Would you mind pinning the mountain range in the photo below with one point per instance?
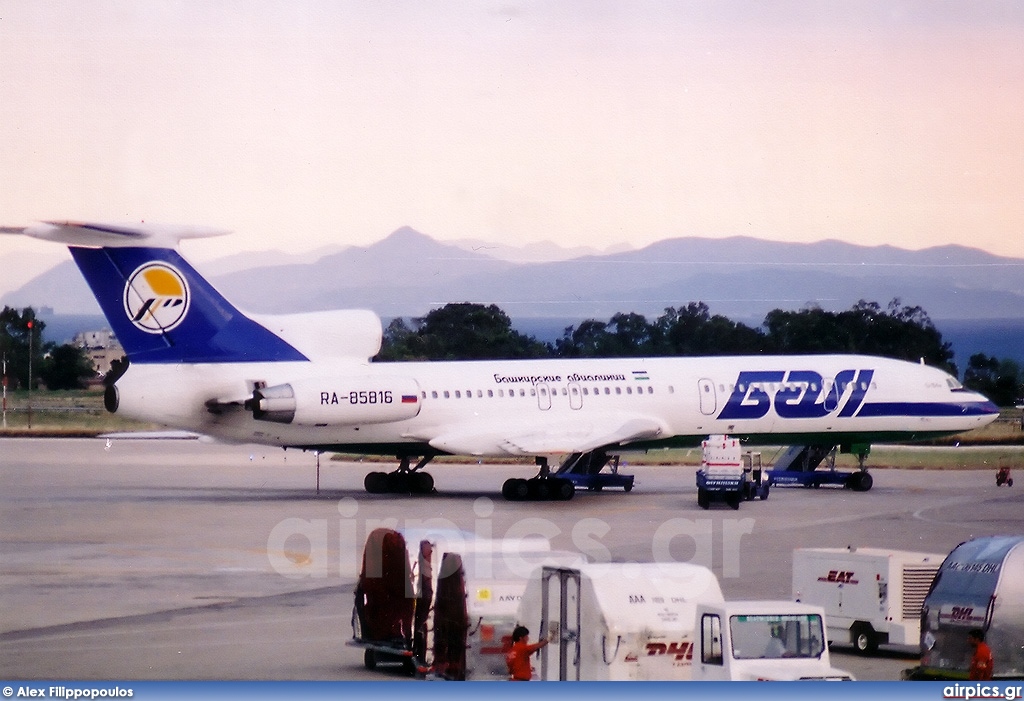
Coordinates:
(408, 273)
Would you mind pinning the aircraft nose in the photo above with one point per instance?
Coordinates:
(987, 407)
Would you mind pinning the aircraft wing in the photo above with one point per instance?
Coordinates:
(549, 437)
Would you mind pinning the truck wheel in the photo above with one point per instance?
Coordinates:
(863, 637)
(564, 489)
(703, 501)
(734, 501)
(369, 659)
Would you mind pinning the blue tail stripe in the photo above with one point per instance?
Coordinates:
(160, 316)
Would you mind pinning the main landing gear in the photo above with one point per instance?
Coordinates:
(404, 480)
(543, 487)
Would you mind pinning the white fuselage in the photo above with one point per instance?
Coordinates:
(473, 407)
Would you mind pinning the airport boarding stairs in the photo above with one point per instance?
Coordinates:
(802, 458)
(798, 466)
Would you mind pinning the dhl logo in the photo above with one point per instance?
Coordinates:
(156, 297)
(962, 613)
(679, 650)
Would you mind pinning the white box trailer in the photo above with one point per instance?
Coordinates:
(612, 621)
(870, 596)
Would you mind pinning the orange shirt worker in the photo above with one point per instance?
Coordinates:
(518, 658)
(981, 663)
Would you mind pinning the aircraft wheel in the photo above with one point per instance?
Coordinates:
(540, 489)
(422, 482)
(515, 490)
(860, 481)
(564, 489)
(398, 482)
(375, 483)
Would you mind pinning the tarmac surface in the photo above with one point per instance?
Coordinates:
(181, 559)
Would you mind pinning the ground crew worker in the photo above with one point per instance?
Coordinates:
(518, 658)
(981, 663)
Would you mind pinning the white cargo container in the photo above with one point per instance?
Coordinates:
(611, 621)
(979, 586)
(870, 596)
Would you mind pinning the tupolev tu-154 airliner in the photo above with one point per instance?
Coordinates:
(307, 380)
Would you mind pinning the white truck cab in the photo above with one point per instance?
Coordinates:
(762, 641)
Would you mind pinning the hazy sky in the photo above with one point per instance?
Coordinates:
(299, 124)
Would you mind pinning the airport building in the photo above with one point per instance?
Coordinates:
(102, 347)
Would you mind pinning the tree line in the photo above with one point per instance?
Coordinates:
(63, 366)
(468, 331)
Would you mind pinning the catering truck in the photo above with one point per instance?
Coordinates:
(728, 475)
(980, 586)
(612, 621)
(870, 596)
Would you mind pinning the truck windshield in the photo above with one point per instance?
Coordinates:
(776, 636)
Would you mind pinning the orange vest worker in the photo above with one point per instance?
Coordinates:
(518, 658)
(981, 663)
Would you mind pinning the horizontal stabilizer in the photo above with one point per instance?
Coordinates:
(95, 235)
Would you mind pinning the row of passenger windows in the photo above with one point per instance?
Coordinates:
(574, 390)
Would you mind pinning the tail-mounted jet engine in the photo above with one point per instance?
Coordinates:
(343, 401)
(118, 368)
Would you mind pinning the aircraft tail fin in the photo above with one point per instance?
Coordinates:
(161, 309)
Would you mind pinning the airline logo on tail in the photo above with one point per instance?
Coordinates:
(156, 297)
